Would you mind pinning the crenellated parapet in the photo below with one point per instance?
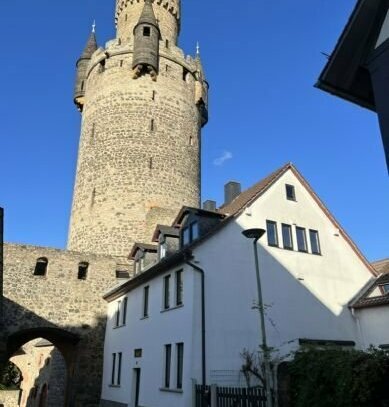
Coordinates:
(172, 6)
(167, 13)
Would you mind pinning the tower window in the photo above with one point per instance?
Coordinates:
(121, 63)
(126, 17)
(41, 267)
(154, 94)
(82, 85)
(191, 143)
(102, 66)
(152, 125)
(83, 270)
(185, 74)
(146, 31)
(167, 43)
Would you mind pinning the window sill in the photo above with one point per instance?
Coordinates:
(143, 318)
(179, 391)
(119, 326)
(295, 251)
(172, 308)
(115, 386)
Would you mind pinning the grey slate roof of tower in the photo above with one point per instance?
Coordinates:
(90, 48)
(148, 15)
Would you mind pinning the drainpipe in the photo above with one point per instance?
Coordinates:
(188, 258)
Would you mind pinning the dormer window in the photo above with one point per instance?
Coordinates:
(162, 249)
(385, 288)
(190, 233)
(290, 192)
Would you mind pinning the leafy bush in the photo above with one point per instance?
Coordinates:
(10, 377)
(339, 378)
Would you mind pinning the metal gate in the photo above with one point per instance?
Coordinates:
(213, 396)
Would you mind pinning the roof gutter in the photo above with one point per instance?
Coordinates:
(187, 260)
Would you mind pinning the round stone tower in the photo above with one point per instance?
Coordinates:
(143, 106)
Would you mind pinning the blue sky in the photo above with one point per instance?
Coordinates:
(262, 59)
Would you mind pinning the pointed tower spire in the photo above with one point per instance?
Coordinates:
(91, 45)
(148, 15)
(82, 65)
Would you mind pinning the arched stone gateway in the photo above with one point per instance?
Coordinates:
(66, 343)
(58, 306)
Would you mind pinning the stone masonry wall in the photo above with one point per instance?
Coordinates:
(9, 398)
(139, 151)
(60, 300)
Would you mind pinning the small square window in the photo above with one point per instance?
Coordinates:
(146, 31)
(290, 192)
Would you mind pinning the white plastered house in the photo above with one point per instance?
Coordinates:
(156, 344)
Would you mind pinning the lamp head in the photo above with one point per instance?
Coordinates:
(254, 233)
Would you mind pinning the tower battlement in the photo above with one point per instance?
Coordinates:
(168, 14)
(172, 6)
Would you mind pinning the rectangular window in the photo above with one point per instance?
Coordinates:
(113, 368)
(194, 231)
(146, 291)
(290, 192)
(287, 236)
(315, 243)
(118, 306)
(168, 360)
(185, 236)
(301, 239)
(124, 316)
(166, 292)
(119, 373)
(146, 31)
(180, 364)
(179, 288)
(272, 235)
(162, 249)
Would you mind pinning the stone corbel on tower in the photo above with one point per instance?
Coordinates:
(146, 44)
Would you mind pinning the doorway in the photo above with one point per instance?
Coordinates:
(136, 386)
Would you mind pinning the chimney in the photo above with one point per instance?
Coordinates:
(209, 206)
(231, 190)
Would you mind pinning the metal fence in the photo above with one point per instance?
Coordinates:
(213, 396)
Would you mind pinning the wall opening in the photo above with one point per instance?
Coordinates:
(146, 31)
(83, 270)
(41, 267)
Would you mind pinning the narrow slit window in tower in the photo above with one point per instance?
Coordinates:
(185, 73)
(151, 163)
(191, 140)
(146, 31)
(126, 17)
(121, 63)
(41, 267)
(83, 270)
(167, 68)
(102, 66)
(152, 125)
(167, 43)
(82, 85)
(154, 95)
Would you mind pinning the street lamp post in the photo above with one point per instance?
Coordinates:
(256, 234)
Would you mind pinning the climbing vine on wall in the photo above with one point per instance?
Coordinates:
(340, 378)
